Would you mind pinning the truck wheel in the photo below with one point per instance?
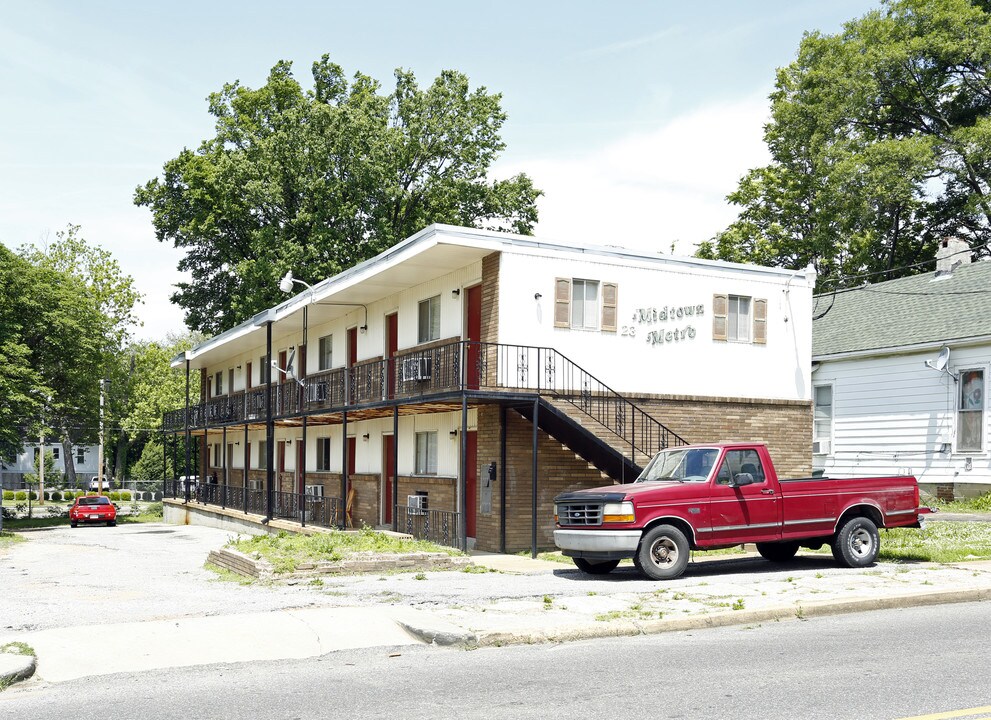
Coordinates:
(663, 553)
(857, 543)
(595, 568)
(777, 551)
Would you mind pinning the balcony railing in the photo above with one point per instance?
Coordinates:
(452, 367)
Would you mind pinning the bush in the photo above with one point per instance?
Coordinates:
(8, 494)
(125, 496)
(68, 495)
(56, 496)
(114, 496)
(34, 495)
(20, 495)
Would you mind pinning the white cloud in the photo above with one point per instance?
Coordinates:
(651, 189)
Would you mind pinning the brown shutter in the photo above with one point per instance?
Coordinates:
(562, 302)
(720, 309)
(760, 322)
(610, 297)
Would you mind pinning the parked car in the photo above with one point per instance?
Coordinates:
(92, 509)
(94, 484)
(706, 497)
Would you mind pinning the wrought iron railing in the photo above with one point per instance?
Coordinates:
(438, 526)
(451, 367)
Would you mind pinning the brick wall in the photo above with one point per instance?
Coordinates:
(441, 491)
(785, 425)
(490, 298)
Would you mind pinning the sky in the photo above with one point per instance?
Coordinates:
(635, 118)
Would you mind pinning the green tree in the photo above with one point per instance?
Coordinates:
(318, 181)
(880, 138)
(21, 387)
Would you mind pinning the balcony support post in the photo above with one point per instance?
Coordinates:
(188, 439)
(533, 469)
(344, 469)
(269, 425)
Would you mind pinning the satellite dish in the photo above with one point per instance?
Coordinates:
(943, 359)
(291, 362)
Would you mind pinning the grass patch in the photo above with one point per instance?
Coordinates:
(17, 648)
(225, 575)
(8, 538)
(36, 522)
(942, 542)
(287, 550)
(152, 512)
(978, 504)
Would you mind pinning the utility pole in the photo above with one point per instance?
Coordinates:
(41, 472)
(103, 384)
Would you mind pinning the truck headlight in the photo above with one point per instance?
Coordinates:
(621, 512)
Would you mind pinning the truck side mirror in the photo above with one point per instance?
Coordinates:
(741, 479)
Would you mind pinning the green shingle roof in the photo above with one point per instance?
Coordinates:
(908, 311)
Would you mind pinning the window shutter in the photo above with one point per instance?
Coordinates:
(610, 296)
(720, 308)
(562, 302)
(760, 321)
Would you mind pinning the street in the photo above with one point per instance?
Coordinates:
(886, 664)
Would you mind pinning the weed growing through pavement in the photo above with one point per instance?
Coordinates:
(739, 604)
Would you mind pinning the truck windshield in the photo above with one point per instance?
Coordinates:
(683, 465)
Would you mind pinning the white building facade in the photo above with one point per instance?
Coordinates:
(419, 372)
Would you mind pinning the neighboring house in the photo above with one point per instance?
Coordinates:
(409, 383)
(882, 403)
(84, 460)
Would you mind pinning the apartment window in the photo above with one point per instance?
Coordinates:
(585, 304)
(323, 454)
(217, 457)
(326, 352)
(262, 454)
(429, 319)
(426, 453)
(738, 318)
(218, 383)
(263, 370)
(80, 455)
(970, 411)
(55, 452)
(822, 424)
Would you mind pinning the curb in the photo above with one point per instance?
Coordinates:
(14, 668)
(799, 611)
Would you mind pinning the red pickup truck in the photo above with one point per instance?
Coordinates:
(704, 497)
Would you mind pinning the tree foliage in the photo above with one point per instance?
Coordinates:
(317, 181)
(880, 138)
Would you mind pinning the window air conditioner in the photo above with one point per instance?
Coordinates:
(317, 392)
(254, 484)
(415, 368)
(820, 447)
(416, 504)
(314, 490)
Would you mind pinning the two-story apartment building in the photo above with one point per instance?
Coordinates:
(454, 384)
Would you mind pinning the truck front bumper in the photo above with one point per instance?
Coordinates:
(598, 544)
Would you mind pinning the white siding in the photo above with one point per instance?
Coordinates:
(893, 414)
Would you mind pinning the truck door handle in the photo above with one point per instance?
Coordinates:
(767, 491)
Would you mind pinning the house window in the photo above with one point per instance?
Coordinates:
(426, 453)
(323, 454)
(970, 411)
(80, 455)
(217, 458)
(738, 318)
(429, 319)
(55, 452)
(218, 383)
(822, 424)
(262, 454)
(326, 352)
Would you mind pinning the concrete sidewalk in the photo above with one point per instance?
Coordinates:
(720, 590)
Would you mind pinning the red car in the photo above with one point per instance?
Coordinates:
(92, 509)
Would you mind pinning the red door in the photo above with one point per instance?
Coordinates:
(388, 451)
(352, 346)
(473, 332)
(471, 481)
(391, 346)
(351, 449)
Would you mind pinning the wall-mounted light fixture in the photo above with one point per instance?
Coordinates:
(537, 296)
(365, 437)
(237, 442)
(363, 329)
(453, 433)
(455, 292)
(288, 441)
